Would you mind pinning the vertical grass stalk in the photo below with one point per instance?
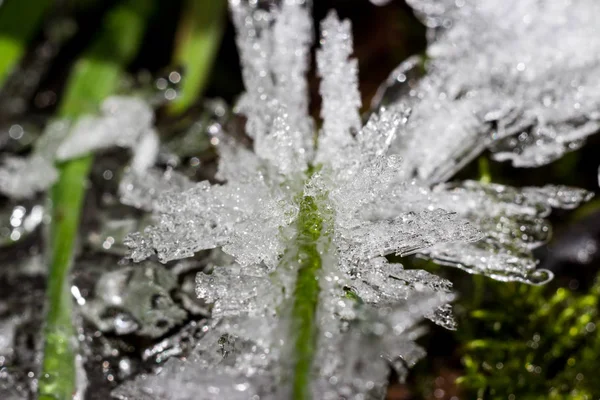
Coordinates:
(95, 76)
(306, 294)
(198, 38)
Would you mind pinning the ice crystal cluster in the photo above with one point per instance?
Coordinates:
(311, 308)
(124, 121)
(520, 77)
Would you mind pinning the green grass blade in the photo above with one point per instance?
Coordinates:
(95, 76)
(198, 38)
(306, 294)
(19, 21)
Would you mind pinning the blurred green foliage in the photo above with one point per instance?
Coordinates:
(528, 342)
(19, 21)
(95, 76)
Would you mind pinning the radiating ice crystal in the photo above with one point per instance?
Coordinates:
(331, 226)
(495, 79)
(362, 334)
(244, 218)
(512, 222)
(339, 88)
(273, 50)
(123, 121)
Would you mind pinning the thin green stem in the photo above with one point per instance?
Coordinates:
(485, 176)
(306, 294)
(95, 76)
(197, 42)
(19, 21)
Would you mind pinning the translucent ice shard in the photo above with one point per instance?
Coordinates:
(135, 300)
(513, 224)
(23, 177)
(495, 80)
(143, 189)
(125, 122)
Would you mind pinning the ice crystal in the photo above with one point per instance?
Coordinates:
(23, 177)
(310, 307)
(124, 121)
(495, 80)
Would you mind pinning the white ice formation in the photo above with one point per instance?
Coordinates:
(123, 121)
(311, 308)
(520, 77)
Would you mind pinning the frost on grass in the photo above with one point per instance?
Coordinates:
(311, 307)
(365, 207)
(123, 121)
(521, 77)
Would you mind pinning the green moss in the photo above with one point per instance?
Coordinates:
(532, 343)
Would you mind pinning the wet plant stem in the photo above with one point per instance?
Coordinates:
(94, 77)
(198, 38)
(19, 21)
(306, 294)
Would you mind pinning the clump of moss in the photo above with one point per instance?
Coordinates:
(525, 342)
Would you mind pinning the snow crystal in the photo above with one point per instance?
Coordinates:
(243, 217)
(258, 296)
(495, 79)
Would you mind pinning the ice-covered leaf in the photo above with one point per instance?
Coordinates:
(519, 77)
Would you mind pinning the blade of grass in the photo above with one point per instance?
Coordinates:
(19, 21)
(95, 76)
(198, 38)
